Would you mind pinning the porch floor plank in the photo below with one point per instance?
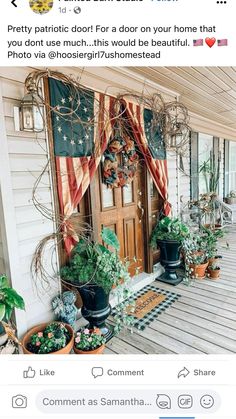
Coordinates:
(202, 320)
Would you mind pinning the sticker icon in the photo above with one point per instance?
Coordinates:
(163, 401)
(41, 6)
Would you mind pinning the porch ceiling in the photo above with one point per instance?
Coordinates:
(209, 92)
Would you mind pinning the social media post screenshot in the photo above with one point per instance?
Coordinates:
(118, 209)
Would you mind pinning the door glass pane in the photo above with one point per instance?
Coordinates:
(128, 194)
(107, 197)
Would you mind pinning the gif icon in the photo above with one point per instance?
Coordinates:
(185, 401)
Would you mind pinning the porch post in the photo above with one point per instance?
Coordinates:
(194, 181)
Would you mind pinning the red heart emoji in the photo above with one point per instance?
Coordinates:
(210, 41)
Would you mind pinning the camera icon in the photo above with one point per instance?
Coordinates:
(19, 402)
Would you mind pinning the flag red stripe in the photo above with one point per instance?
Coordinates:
(157, 168)
(59, 185)
(72, 183)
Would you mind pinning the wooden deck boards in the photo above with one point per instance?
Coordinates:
(203, 320)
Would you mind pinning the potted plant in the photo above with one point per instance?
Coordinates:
(209, 240)
(89, 342)
(169, 235)
(198, 265)
(214, 270)
(94, 270)
(231, 198)
(9, 299)
(49, 338)
(194, 250)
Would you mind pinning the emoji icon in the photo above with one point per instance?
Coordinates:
(207, 401)
(210, 42)
(163, 401)
(222, 42)
(41, 6)
(198, 42)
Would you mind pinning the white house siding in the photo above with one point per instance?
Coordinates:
(179, 182)
(26, 158)
(23, 157)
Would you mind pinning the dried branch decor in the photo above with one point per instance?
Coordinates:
(170, 119)
(88, 123)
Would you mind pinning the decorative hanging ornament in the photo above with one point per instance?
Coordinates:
(175, 126)
(120, 162)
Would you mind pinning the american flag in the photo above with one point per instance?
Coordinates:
(82, 126)
(79, 121)
(152, 149)
(222, 42)
(198, 42)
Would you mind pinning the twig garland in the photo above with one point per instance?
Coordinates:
(171, 118)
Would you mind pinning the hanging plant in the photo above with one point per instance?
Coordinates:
(120, 162)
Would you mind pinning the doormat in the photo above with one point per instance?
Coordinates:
(150, 302)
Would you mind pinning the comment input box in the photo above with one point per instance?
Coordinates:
(116, 401)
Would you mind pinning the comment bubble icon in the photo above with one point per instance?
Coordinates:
(97, 372)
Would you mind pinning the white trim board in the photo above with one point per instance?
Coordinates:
(8, 220)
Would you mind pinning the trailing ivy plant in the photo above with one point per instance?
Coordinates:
(169, 229)
(92, 263)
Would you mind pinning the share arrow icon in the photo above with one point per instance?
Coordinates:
(14, 3)
(183, 373)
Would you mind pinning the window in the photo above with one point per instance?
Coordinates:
(230, 166)
(202, 146)
(205, 147)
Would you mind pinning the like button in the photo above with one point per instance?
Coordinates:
(30, 373)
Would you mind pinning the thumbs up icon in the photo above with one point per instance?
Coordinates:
(30, 373)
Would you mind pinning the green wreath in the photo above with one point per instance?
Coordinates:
(120, 172)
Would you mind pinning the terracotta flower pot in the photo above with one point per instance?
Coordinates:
(66, 350)
(230, 200)
(214, 273)
(216, 227)
(96, 351)
(198, 271)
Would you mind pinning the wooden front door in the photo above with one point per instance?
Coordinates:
(121, 209)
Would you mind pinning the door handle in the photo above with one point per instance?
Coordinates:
(141, 209)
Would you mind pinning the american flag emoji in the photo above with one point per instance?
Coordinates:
(222, 42)
(198, 42)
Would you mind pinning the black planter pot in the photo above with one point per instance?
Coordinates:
(170, 260)
(96, 308)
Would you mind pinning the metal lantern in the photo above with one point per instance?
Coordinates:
(32, 111)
